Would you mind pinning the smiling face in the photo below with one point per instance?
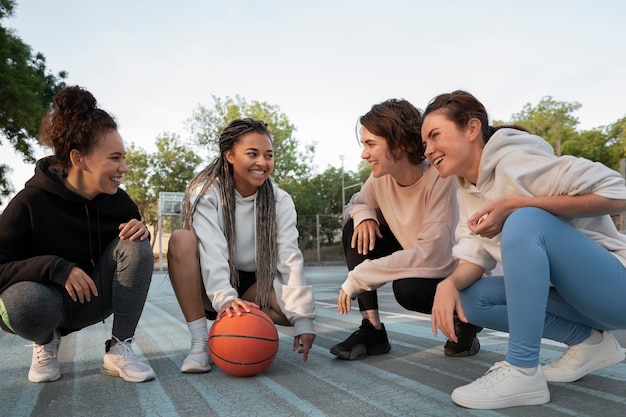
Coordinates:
(100, 171)
(376, 153)
(252, 159)
(450, 149)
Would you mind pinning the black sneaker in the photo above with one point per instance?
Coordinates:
(365, 341)
(468, 344)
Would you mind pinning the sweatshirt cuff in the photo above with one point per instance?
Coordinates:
(351, 288)
(302, 326)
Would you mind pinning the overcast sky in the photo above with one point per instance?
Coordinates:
(325, 62)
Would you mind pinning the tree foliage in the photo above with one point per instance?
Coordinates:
(169, 169)
(293, 162)
(552, 120)
(322, 194)
(26, 91)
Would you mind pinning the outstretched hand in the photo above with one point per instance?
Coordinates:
(344, 303)
(303, 342)
(447, 302)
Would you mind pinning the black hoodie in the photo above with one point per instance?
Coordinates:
(46, 229)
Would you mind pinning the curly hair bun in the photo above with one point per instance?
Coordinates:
(75, 102)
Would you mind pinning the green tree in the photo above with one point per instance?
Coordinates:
(26, 91)
(136, 182)
(597, 146)
(363, 171)
(616, 134)
(550, 119)
(169, 169)
(321, 194)
(293, 162)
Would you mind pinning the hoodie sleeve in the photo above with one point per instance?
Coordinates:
(213, 249)
(16, 262)
(294, 295)
(526, 164)
(362, 205)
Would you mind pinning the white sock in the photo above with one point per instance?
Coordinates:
(594, 338)
(525, 371)
(199, 335)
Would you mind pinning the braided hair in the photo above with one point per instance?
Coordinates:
(221, 171)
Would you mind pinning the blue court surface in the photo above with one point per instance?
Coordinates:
(414, 379)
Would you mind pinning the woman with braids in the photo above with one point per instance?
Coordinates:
(239, 245)
(73, 249)
(546, 219)
(398, 228)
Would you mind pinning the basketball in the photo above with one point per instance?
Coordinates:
(244, 345)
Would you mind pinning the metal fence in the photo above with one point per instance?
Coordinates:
(320, 239)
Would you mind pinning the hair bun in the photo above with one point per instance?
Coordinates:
(75, 101)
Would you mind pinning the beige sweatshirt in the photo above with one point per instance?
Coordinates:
(422, 217)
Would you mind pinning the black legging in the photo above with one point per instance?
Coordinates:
(415, 294)
(122, 276)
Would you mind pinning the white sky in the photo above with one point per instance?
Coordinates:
(325, 62)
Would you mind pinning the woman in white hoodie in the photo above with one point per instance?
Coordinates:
(546, 219)
(239, 245)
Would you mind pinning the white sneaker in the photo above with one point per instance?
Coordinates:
(197, 362)
(120, 360)
(581, 359)
(503, 386)
(44, 366)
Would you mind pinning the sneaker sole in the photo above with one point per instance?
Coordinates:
(471, 352)
(357, 352)
(44, 378)
(195, 369)
(585, 370)
(104, 370)
(531, 398)
(360, 351)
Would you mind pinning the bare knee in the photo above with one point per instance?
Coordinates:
(182, 246)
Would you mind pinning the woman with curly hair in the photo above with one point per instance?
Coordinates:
(73, 249)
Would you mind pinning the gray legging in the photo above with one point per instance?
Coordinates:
(122, 276)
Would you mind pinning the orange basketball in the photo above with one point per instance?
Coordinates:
(244, 345)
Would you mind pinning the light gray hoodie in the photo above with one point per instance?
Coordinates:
(518, 163)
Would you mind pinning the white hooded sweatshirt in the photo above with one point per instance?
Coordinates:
(294, 295)
(518, 163)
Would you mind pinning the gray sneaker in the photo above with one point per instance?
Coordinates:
(44, 366)
(120, 360)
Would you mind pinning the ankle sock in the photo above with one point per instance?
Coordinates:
(199, 334)
(525, 371)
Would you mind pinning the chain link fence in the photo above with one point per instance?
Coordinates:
(320, 239)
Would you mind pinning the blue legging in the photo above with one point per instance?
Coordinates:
(538, 249)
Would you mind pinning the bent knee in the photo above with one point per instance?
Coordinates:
(182, 244)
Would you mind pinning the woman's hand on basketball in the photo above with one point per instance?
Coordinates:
(344, 303)
(303, 343)
(236, 306)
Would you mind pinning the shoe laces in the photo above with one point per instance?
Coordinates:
(124, 348)
(199, 346)
(46, 353)
(496, 373)
(569, 353)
